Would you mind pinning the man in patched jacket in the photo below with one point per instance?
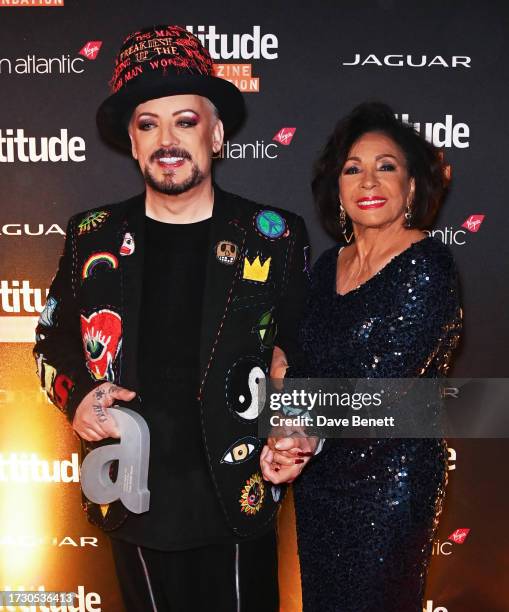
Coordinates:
(171, 304)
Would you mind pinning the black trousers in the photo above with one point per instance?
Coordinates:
(224, 577)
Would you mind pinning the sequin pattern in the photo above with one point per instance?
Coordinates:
(367, 510)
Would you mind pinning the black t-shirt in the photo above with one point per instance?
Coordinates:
(184, 509)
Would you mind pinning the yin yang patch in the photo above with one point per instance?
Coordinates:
(245, 388)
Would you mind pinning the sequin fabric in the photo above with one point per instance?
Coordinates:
(367, 510)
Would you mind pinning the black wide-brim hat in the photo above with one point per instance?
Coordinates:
(163, 61)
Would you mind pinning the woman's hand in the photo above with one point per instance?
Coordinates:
(283, 459)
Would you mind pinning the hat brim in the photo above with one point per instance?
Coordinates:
(114, 112)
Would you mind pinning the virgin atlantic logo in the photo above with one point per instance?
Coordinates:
(65, 63)
(473, 223)
(258, 149)
(459, 536)
(457, 236)
(285, 135)
(91, 49)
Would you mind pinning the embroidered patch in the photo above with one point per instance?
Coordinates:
(57, 386)
(92, 221)
(62, 386)
(276, 492)
(266, 329)
(98, 259)
(226, 252)
(256, 270)
(241, 450)
(245, 384)
(128, 245)
(270, 224)
(252, 495)
(46, 373)
(101, 334)
(46, 316)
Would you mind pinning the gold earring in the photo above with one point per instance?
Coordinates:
(408, 213)
(342, 217)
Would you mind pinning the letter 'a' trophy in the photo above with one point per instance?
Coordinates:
(132, 454)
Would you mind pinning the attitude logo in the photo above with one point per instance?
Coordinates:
(36, 597)
(25, 149)
(19, 297)
(18, 300)
(248, 46)
(444, 133)
(64, 63)
(25, 467)
(430, 607)
(258, 149)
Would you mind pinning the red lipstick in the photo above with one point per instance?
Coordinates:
(370, 202)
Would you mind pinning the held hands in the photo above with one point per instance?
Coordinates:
(283, 459)
(92, 421)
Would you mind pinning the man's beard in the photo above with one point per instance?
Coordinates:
(167, 184)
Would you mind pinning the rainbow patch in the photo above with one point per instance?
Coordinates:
(98, 259)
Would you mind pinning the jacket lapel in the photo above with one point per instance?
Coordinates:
(131, 288)
(220, 276)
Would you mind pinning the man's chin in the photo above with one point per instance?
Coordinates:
(170, 186)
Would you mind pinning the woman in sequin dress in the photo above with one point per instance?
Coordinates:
(384, 306)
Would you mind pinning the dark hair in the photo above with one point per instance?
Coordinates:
(424, 164)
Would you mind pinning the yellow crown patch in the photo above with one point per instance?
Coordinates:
(256, 271)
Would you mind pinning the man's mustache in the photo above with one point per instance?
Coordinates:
(171, 152)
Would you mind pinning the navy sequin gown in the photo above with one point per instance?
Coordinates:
(367, 510)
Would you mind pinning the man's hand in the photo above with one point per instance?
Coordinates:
(283, 459)
(92, 421)
(278, 367)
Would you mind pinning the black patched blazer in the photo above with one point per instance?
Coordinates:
(256, 285)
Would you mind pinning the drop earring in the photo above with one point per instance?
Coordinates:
(409, 214)
(343, 223)
(342, 218)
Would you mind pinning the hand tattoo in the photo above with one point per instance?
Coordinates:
(101, 415)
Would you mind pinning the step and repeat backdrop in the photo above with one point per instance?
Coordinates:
(443, 67)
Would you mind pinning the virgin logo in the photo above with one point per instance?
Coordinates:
(459, 536)
(473, 223)
(91, 49)
(285, 135)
